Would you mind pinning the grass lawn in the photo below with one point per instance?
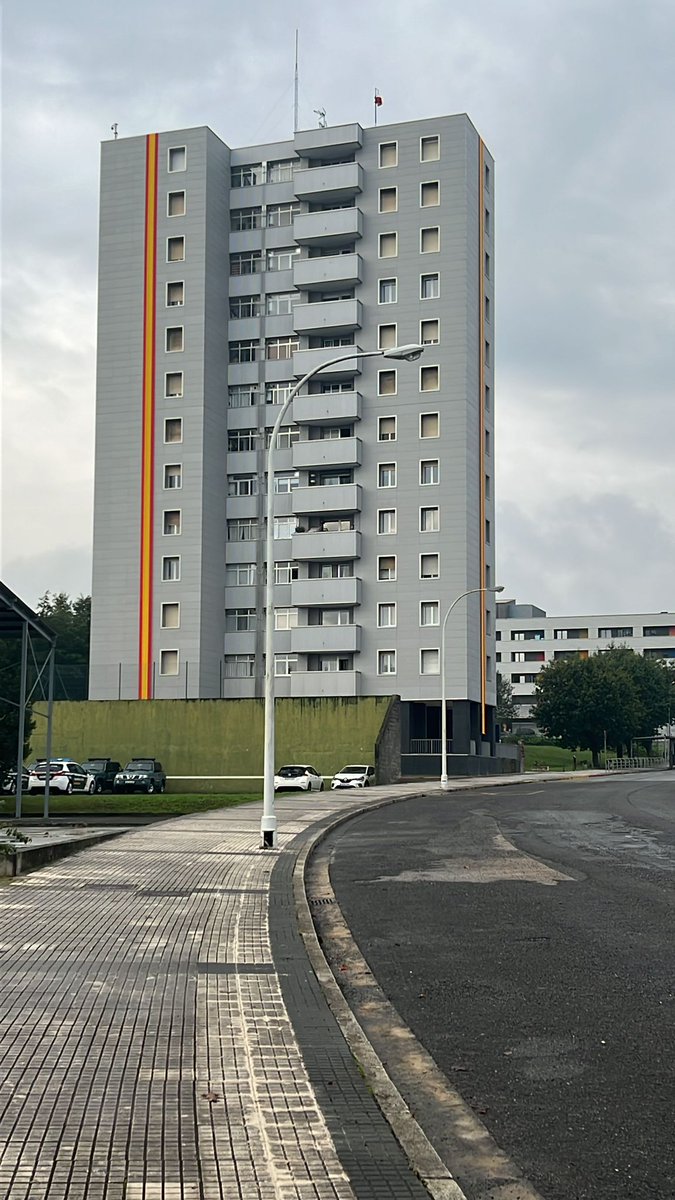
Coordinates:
(538, 758)
(124, 804)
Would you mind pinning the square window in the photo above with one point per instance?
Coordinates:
(175, 204)
(386, 567)
(487, 354)
(428, 471)
(430, 519)
(387, 291)
(388, 154)
(430, 194)
(171, 616)
(173, 429)
(430, 663)
(430, 240)
(429, 612)
(173, 475)
(386, 336)
(386, 475)
(168, 662)
(487, 441)
(430, 332)
(388, 200)
(386, 383)
(487, 177)
(429, 566)
(430, 288)
(430, 148)
(386, 429)
(177, 158)
(429, 380)
(487, 399)
(487, 265)
(386, 520)
(487, 309)
(386, 662)
(487, 532)
(388, 245)
(175, 249)
(171, 568)
(175, 294)
(171, 522)
(173, 384)
(386, 616)
(429, 425)
(486, 221)
(174, 339)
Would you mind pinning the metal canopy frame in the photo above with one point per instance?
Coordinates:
(17, 620)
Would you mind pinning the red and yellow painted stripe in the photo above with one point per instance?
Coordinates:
(481, 410)
(148, 422)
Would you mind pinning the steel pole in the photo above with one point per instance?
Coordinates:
(22, 720)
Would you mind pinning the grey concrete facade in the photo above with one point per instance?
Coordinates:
(342, 236)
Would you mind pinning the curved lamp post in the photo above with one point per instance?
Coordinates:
(268, 824)
(444, 715)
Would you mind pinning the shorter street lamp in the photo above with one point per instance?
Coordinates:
(268, 824)
(444, 715)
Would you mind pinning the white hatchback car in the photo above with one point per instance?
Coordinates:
(298, 776)
(64, 776)
(359, 776)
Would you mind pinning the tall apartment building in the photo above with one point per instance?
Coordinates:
(224, 276)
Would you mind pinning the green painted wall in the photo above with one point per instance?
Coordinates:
(216, 737)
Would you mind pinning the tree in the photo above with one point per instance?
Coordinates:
(507, 708)
(70, 620)
(10, 684)
(609, 699)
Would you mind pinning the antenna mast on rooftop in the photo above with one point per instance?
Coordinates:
(295, 104)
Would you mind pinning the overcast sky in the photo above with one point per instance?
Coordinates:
(575, 99)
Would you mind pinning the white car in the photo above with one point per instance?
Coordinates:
(64, 776)
(359, 776)
(298, 776)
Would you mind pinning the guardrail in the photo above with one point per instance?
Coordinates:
(633, 764)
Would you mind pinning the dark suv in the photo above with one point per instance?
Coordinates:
(104, 771)
(141, 775)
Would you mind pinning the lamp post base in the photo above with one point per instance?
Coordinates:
(268, 833)
(445, 783)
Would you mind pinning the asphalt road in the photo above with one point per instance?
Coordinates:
(525, 935)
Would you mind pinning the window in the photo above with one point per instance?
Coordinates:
(331, 570)
(429, 332)
(430, 194)
(242, 529)
(280, 304)
(171, 568)
(246, 176)
(386, 336)
(240, 620)
(281, 259)
(285, 618)
(487, 177)
(280, 172)
(173, 429)
(285, 572)
(488, 487)
(487, 532)
(245, 218)
(174, 339)
(429, 379)
(175, 204)
(487, 354)
(430, 287)
(388, 199)
(487, 309)
(616, 631)
(386, 520)
(240, 575)
(175, 249)
(239, 666)
(429, 612)
(528, 635)
(429, 566)
(277, 393)
(286, 436)
(331, 478)
(487, 265)
(168, 662)
(387, 291)
(386, 616)
(430, 519)
(281, 347)
(245, 351)
(386, 567)
(173, 384)
(429, 425)
(242, 485)
(388, 154)
(430, 240)
(285, 664)
(648, 631)
(173, 475)
(175, 293)
(244, 306)
(386, 662)
(386, 383)
(386, 429)
(279, 215)
(430, 148)
(242, 439)
(428, 471)
(487, 441)
(171, 522)
(386, 475)
(331, 616)
(246, 262)
(284, 527)
(170, 616)
(430, 662)
(177, 158)
(388, 245)
(285, 482)
(488, 399)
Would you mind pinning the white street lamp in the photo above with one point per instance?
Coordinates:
(268, 824)
(444, 715)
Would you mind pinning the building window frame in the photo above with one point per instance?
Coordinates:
(386, 662)
(173, 155)
(383, 166)
(382, 519)
(166, 659)
(177, 241)
(171, 196)
(383, 243)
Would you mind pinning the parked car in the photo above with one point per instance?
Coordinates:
(298, 776)
(359, 776)
(64, 776)
(141, 775)
(104, 771)
(9, 781)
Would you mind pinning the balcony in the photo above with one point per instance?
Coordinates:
(338, 182)
(324, 683)
(333, 545)
(334, 141)
(327, 271)
(305, 361)
(333, 498)
(329, 227)
(327, 408)
(328, 316)
(325, 639)
(327, 452)
(325, 593)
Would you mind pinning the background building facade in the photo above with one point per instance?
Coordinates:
(224, 275)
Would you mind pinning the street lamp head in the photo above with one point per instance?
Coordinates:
(499, 588)
(409, 353)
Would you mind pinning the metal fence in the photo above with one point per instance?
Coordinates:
(640, 763)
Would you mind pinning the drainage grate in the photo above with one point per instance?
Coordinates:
(316, 900)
